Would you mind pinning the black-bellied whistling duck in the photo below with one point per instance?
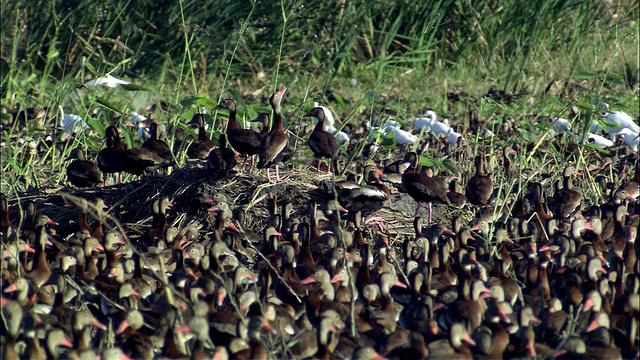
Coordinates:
(455, 194)
(330, 322)
(368, 198)
(386, 316)
(138, 161)
(200, 147)
(134, 342)
(244, 141)
(221, 160)
(159, 147)
(479, 188)
(422, 187)
(566, 200)
(159, 221)
(82, 172)
(54, 338)
(40, 271)
(367, 353)
(322, 143)
(274, 144)
(12, 313)
(470, 306)
(81, 321)
(109, 158)
(113, 353)
(455, 347)
(203, 344)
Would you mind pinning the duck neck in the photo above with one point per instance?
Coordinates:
(233, 122)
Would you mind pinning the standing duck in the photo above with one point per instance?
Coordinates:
(221, 160)
(480, 186)
(200, 148)
(109, 157)
(422, 187)
(322, 143)
(244, 141)
(567, 199)
(159, 147)
(275, 142)
(82, 172)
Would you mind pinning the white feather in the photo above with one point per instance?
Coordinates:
(426, 121)
(71, 123)
(599, 141)
(328, 115)
(107, 81)
(622, 121)
(631, 138)
(403, 137)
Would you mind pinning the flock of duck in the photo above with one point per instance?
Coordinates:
(547, 276)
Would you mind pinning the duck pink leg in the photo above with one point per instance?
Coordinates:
(329, 167)
(269, 177)
(278, 174)
(378, 221)
(253, 161)
(430, 212)
(417, 210)
(244, 162)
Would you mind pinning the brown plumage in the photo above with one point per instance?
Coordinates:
(274, 144)
(109, 157)
(159, 147)
(322, 143)
(221, 160)
(82, 172)
(480, 186)
(200, 148)
(244, 141)
(566, 200)
(422, 187)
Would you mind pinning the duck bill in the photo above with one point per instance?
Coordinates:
(123, 326)
(399, 284)
(308, 280)
(65, 342)
(468, 339)
(282, 91)
(11, 288)
(183, 328)
(335, 278)
(97, 324)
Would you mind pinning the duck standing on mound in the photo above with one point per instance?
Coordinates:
(422, 187)
(322, 143)
(244, 141)
(82, 172)
(274, 144)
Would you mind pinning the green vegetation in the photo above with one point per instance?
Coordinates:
(368, 59)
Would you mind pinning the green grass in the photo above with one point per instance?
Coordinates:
(403, 56)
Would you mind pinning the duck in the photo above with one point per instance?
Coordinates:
(201, 147)
(82, 172)
(455, 347)
(159, 147)
(365, 199)
(221, 160)
(567, 200)
(422, 187)
(479, 188)
(109, 158)
(322, 143)
(245, 141)
(274, 144)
